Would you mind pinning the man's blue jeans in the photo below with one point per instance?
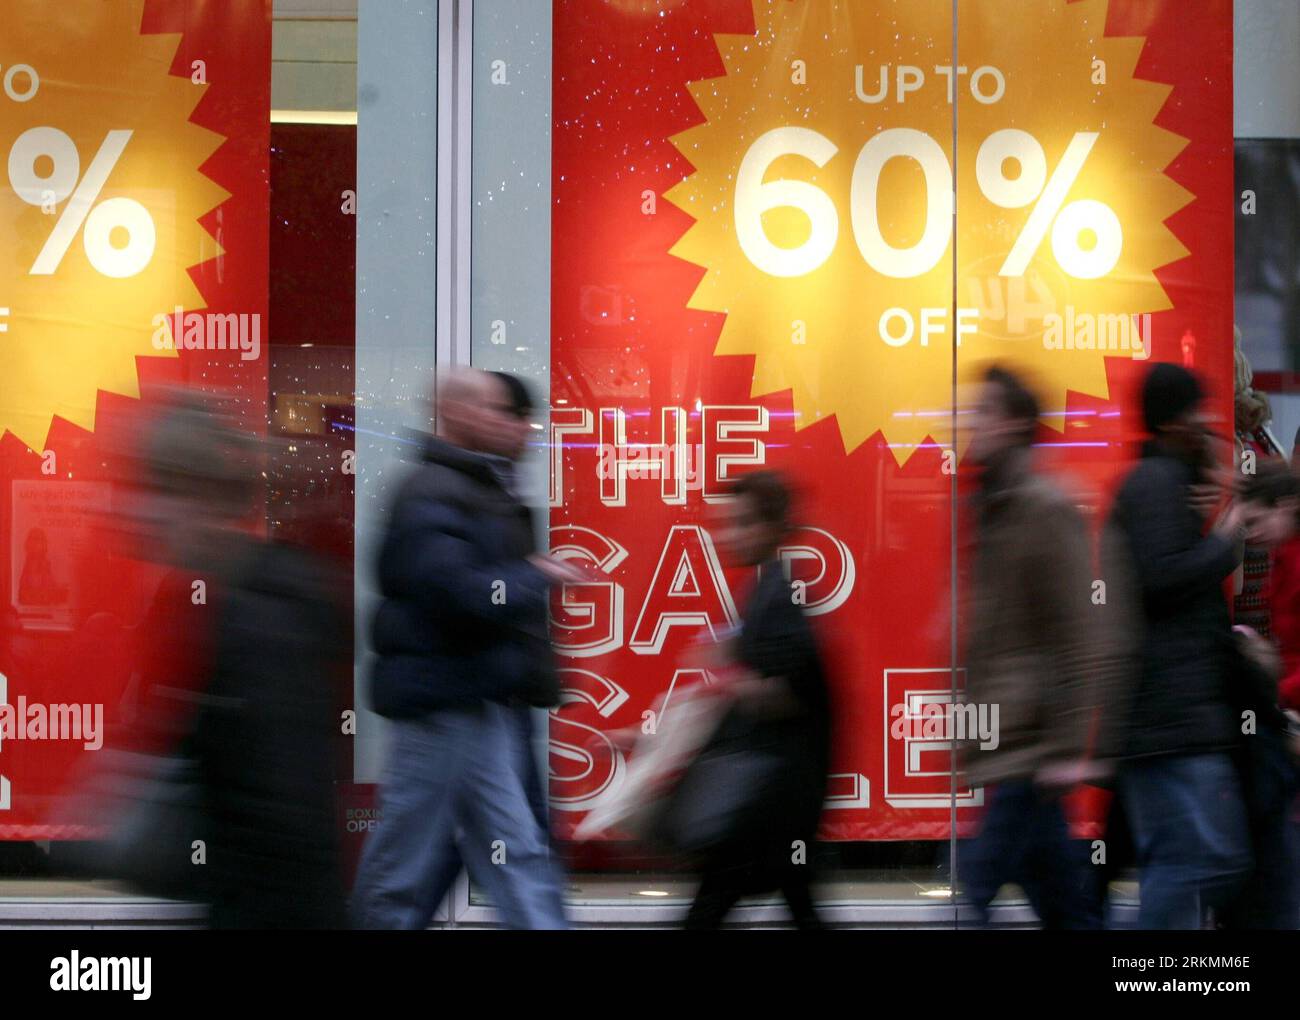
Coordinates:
(456, 789)
(1024, 838)
(1189, 828)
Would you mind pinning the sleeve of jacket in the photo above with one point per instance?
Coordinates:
(1118, 631)
(781, 643)
(429, 556)
(1171, 556)
(1063, 589)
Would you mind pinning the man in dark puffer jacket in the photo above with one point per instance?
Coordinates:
(461, 648)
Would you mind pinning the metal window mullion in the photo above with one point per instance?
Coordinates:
(463, 190)
(445, 172)
(455, 149)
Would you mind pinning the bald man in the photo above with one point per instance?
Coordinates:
(461, 652)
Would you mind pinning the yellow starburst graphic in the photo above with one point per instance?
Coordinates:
(823, 216)
(81, 200)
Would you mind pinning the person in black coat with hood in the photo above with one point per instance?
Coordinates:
(1178, 780)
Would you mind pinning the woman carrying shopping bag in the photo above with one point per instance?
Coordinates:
(747, 807)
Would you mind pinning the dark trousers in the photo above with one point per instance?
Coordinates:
(1024, 839)
(1190, 827)
(725, 880)
(1269, 779)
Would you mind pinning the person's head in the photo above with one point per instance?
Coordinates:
(192, 476)
(1251, 408)
(479, 411)
(461, 395)
(1173, 410)
(755, 519)
(1270, 501)
(1005, 416)
(195, 455)
(516, 426)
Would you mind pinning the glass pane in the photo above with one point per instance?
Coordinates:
(695, 337)
(212, 269)
(396, 320)
(510, 225)
(1092, 227)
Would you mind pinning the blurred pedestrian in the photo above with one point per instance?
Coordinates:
(749, 805)
(254, 704)
(1251, 415)
(1271, 898)
(1180, 786)
(1271, 510)
(1032, 653)
(461, 649)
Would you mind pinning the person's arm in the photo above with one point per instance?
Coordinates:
(1171, 556)
(429, 556)
(1116, 626)
(1062, 586)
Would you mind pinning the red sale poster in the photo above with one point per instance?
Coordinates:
(757, 261)
(134, 258)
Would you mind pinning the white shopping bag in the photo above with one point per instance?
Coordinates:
(687, 719)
